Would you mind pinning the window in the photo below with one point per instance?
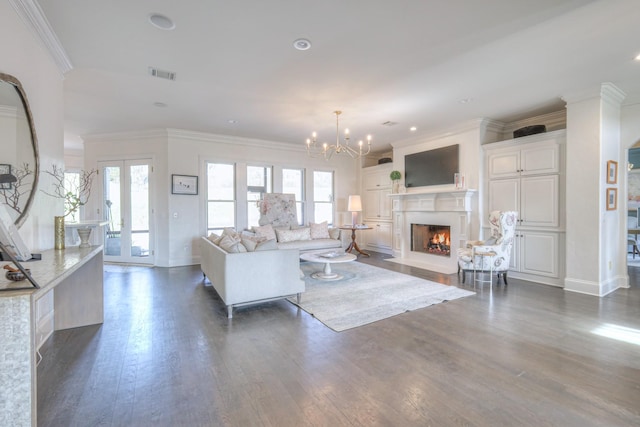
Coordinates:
(72, 185)
(221, 201)
(258, 182)
(323, 197)
(293, 183)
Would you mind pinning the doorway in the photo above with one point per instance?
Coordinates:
(126, 202)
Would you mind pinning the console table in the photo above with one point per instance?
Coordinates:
(76, 277)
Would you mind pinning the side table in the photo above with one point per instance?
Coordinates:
(482, 255)
(353, 245)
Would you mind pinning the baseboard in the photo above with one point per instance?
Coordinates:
(598, 289)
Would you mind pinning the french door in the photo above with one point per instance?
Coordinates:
(126, 205)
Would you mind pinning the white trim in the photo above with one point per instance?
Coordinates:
(36, 21)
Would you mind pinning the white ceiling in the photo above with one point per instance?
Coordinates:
(406, 61)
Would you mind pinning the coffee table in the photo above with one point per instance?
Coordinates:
(328, 258)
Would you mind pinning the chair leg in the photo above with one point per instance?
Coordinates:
(464, 275)
(504, 278)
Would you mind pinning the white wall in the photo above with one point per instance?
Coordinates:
(179, 219)
(24, 58)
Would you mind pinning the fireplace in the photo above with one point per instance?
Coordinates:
(431, 239)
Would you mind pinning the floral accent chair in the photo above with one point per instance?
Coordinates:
(278, 209)
(503, 227)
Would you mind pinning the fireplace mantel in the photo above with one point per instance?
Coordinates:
(433, 201)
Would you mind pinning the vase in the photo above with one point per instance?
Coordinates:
(395, 186)
(84, 234)
(59, 232)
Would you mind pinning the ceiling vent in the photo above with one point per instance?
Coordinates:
(163, 74)
(389, 123)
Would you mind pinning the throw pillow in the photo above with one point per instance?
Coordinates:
(267, 245)
(334, 233)
(251, 242)
(214, 238)
(265, 231)
(293, 235)
(319, 231)
(230, 232)
(232, 245)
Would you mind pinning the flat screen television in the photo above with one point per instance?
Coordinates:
(433, 167)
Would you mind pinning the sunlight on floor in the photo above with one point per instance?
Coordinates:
(620, 333)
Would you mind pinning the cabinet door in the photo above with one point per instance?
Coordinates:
(540, 160)
(539, 201)
(385, 234)
(539, 253)
(377, 179)
(504, 164)
(384, 207)
(504, 195)
(372, 204)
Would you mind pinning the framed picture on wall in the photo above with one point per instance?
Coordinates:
(612, 172)
(184, 184)
(612, 199)
(5, 170)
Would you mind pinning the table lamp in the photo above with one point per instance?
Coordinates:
(354, 206)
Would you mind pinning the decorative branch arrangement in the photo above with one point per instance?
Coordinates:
(74, 194)
(11, 196)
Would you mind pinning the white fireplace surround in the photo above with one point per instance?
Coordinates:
(443, 207)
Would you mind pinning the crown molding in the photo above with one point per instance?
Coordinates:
(33, 16)
(182, 134)
(233, 140)
(475, 125)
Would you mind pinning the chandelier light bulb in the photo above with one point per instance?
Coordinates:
(328, 150)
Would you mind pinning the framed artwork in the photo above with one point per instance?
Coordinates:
(612, 172)
(5, 170)
(184, 184)
(612, 199)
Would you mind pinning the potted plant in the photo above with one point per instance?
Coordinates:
(395, 178)
(74, 194)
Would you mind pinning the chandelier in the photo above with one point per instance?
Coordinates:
(326, 150)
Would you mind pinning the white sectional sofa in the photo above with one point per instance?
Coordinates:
(251, 277)
(263, 264)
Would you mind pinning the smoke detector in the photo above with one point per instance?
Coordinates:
(389, 123)
(302, 44)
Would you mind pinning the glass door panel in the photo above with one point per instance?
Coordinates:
(127, 209)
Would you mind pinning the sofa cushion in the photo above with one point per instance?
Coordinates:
(232, 244)
(319, 231)
(250, 242)
(308, 245)
(265, 231)
(292, 235)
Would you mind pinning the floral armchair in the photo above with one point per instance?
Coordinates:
(503, 226)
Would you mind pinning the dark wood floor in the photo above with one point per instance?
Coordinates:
(166, 355)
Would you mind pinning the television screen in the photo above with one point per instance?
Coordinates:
(433, 167)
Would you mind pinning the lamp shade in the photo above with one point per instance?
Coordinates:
(355, 204)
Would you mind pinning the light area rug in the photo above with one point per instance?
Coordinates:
(367, 294)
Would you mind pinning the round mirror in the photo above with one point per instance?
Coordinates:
(18, 150)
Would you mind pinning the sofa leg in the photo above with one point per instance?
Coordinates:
(229, 311)
(298, 297)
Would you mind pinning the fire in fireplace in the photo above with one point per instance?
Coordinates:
(431, 239)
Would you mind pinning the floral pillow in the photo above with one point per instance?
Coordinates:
(319, 231)
(265, 231)
(214, 238)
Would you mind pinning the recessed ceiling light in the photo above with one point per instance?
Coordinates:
(413, 128)
(232, 121)
(637, 58)
(160, 104)
(465, 100)
(302, 44)
(161, 21)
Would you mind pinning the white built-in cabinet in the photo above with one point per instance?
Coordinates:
(376, 188)
(527, 175)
